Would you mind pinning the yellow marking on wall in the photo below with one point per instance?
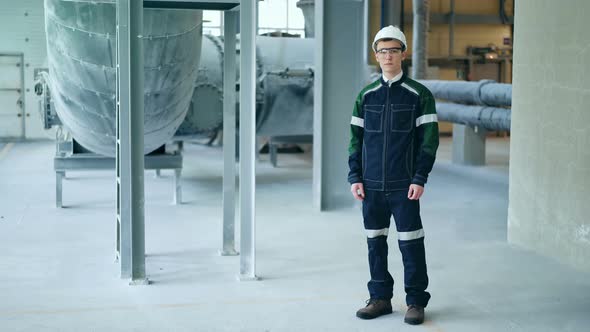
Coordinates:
(5, 150)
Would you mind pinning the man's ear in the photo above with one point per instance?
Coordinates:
(404, 55)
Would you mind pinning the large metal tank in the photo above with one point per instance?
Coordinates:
(205, 113)
(286, 86)
(284, 95)
(279, 53)
(81, 46)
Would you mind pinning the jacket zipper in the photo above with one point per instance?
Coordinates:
(385, 129)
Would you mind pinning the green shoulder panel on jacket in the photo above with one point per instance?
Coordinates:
(356, 132)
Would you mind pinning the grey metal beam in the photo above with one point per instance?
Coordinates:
(318, 100)
(461, 19)
(247, 140)
(136, 134)
(191, 4)
(177, 186)
(59, 175)
(229, 133)
(122, 144)
(91, 161)
(130, 133)
(338, 46)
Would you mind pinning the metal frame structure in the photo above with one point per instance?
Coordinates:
(67, 159)
(129, 156)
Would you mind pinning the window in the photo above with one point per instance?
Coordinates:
(273, 16)
(280, 15)
(212, 22)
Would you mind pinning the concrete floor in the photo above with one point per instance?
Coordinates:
(57, 269)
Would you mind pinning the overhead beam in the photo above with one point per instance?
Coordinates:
(191, 4)
(461, 19)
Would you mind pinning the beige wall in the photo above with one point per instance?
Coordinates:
(549, 199)
(465, 34)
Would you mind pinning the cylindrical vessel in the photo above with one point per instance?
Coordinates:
(81, 46)
(205, 113)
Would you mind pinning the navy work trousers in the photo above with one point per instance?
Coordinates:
(378, 206)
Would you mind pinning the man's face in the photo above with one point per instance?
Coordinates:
(390, 56)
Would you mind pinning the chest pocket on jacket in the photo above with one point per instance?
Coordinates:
(402, 117)
(374, 118)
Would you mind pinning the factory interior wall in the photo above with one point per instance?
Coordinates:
(26, 35)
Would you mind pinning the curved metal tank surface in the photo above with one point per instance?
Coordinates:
(277, 54)
(205, 112)
(287, 100)
(81, 47)
(274, 54)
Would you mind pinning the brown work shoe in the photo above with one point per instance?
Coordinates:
(374, 309)
(414, 315)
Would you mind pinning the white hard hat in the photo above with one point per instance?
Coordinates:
(392, 32)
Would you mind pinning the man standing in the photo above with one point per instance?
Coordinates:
(394, 137)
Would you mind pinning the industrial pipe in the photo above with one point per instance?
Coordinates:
(420, 39)
(307, 7)
(491, 118)
(485, 92)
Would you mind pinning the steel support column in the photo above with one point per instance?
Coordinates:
(247, 139)
(338, 46)
(230, 20)
(130, 136)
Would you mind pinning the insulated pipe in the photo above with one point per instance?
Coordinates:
(485, 92)
(391, 13)
(419, 39)
(491, 118)
(307, 7)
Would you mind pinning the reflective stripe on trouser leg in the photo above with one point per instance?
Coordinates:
(411, 244)
(376, 219)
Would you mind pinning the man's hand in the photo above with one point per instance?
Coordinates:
(358, 191)
(415, 192)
